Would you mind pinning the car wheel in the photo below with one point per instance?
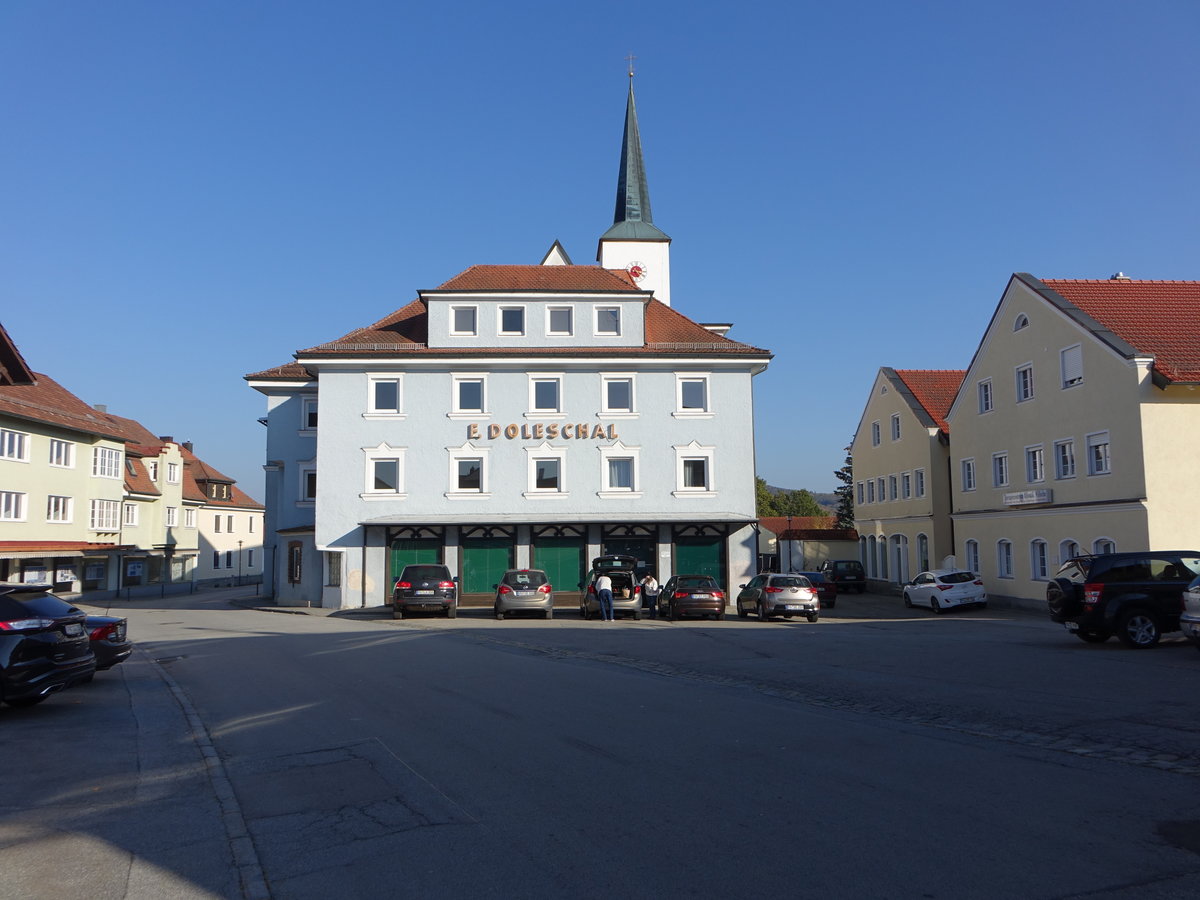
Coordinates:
(397, 612)
(720, 617)
(907, 600)
(670, 612)
(499, 615)
(812, 617)
(549, 614)
(935, 606)
(1093, 635)
(1138, 628)
(832, 604)
(452, 611)
(982, 605)
(742, 614)
(637, 615)
(762, 612)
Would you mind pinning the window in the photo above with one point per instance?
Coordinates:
(861, 493)
(545, 394)
(1064, 459)
(470, 475)
(129, 516)
(469, 394)
(229, 524)
(546, 474)
(58, 509)
(1024, 383)
(968, 474)
(619, 471)
(985, 396)
(923, 552)
(608, 321)
(172, 516)
(695, 473)
(1035, 464)
(250, 524)
(1068, 549)
(172, 473)
(512, 320)
(229, 559)
(879, 489)
(1099, 462)
(1103, 545)
(1039, 565)
(560, 320)
(189, 518)
(62, 454)
(308, 413)
(106, 462)
(384, 470)
(14, 445)
(103, 515)
(972, 552)
(308, 484)
(250, 558)
(691, 395)
(919, 477)
(893, 487)
(295, 562)
(216, 559)
(12, 506)
(693, 470)
(152, 469)
(386, 474)
(217, 524)
(874, 434)
(1004, 559)
(546, 471)
(999, 469)
(1071, 360)
(906, 485)
(618, 393)
(896, 427)
(871, 491)
(462, 320)
(1022, 321)
(333, 568)
(385, 396)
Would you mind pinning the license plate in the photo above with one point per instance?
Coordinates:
(794, 606)
(74, 629)
(424, 593)
(702, 596)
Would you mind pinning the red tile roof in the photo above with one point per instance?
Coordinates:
(46, 401)
(935, 390)
(137, 479)
(1157, 318)
(195, 471)
(554, 279)
(807, 528)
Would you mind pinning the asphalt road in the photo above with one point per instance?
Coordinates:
(881, 752)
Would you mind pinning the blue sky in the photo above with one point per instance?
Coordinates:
(193, 191)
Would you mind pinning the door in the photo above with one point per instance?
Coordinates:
(562, 559)
(701, 556)
(484, 561)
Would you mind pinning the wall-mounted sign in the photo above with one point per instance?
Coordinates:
(539, 431)
(1028, 498)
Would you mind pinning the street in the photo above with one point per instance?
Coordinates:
(880, 752)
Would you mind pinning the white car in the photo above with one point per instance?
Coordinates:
(1189, 621)
(941, 589)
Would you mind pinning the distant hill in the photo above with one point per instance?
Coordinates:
(828, 502)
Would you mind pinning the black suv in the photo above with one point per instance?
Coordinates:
(845, 573)
(44, 645)
(1137, 596)
(425, 588)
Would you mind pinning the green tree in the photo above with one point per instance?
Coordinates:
(764, 500)
(797, 503)
(845, 492)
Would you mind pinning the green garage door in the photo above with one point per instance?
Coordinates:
(563, 561)
(701, 556)
(484, 561)
(412, 552)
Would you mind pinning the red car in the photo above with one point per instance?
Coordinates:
(826, 589)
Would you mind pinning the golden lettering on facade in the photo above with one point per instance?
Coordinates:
(542, 431)
(472, 432)
(537, 431)
(552, 430)
(566, 431)
(510, 431)
(493, 432)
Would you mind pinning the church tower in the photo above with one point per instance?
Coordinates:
(634, 243)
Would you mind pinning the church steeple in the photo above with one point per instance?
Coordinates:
(634, 242)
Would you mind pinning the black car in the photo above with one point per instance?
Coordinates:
(691, 595)
(425, 588)
(44, 645)
(845, 573)
(110, 641)
(1138, 596)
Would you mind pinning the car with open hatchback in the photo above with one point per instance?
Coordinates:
(627, 590)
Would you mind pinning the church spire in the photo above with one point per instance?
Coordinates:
(632, 220)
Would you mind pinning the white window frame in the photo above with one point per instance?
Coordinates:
(14, 506)
(875, 438)
(60, 510)
(305, 469)
(1103, 465)
(538, 378)
(987, 399)
(861, 493)
(1039, 560)
(610, 412)
(533, 456)
(1070, 360)
(375, 412)
(152, 469)
(106, 462)
(189, 518)
(130, 514)
(694, 451)
(618, 450)
(172, 473)
(309, 414)
(1004, 558)
(870, 490)
(382, 452)
(550, 330)
(454, 330)
(893, 487)
(971, 551)
(467, 451)
(457, 379)
(62, 454)
(600, 333)
(171, 517)
(682, 378)
(919, 482)
(881, 489)
(104, 515)
(896, 426)
(14, 445)
(1000, 474)
(1064, 462)
(1067, 549)
(906, 485)
(1024, 382)
(1104, 545)
(967, 471)
(1035, 464)
(501, 330)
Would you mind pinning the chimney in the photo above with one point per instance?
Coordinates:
(187, 445)
(1120, 276)
(166, 439)
(100, 408)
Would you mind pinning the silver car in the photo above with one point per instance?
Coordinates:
(524, 590)
(1189, 621)
(771, 594)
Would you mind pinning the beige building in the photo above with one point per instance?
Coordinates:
(1076, 429)
(901, 486)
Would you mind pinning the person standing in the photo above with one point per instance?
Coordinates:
(604, 595)
(650, 590)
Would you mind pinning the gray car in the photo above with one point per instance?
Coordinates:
(770, 595)
(627, 591)
(524, 590)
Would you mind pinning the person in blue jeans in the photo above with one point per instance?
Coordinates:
(604, 595)
(650, 591)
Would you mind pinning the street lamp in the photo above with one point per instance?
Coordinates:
(789, 543)
(239, 564)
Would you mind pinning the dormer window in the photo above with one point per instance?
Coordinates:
(560, 320)
(462, 320)
(512, 320)
(608, 321)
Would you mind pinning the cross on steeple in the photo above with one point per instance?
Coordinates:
(629, 59)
